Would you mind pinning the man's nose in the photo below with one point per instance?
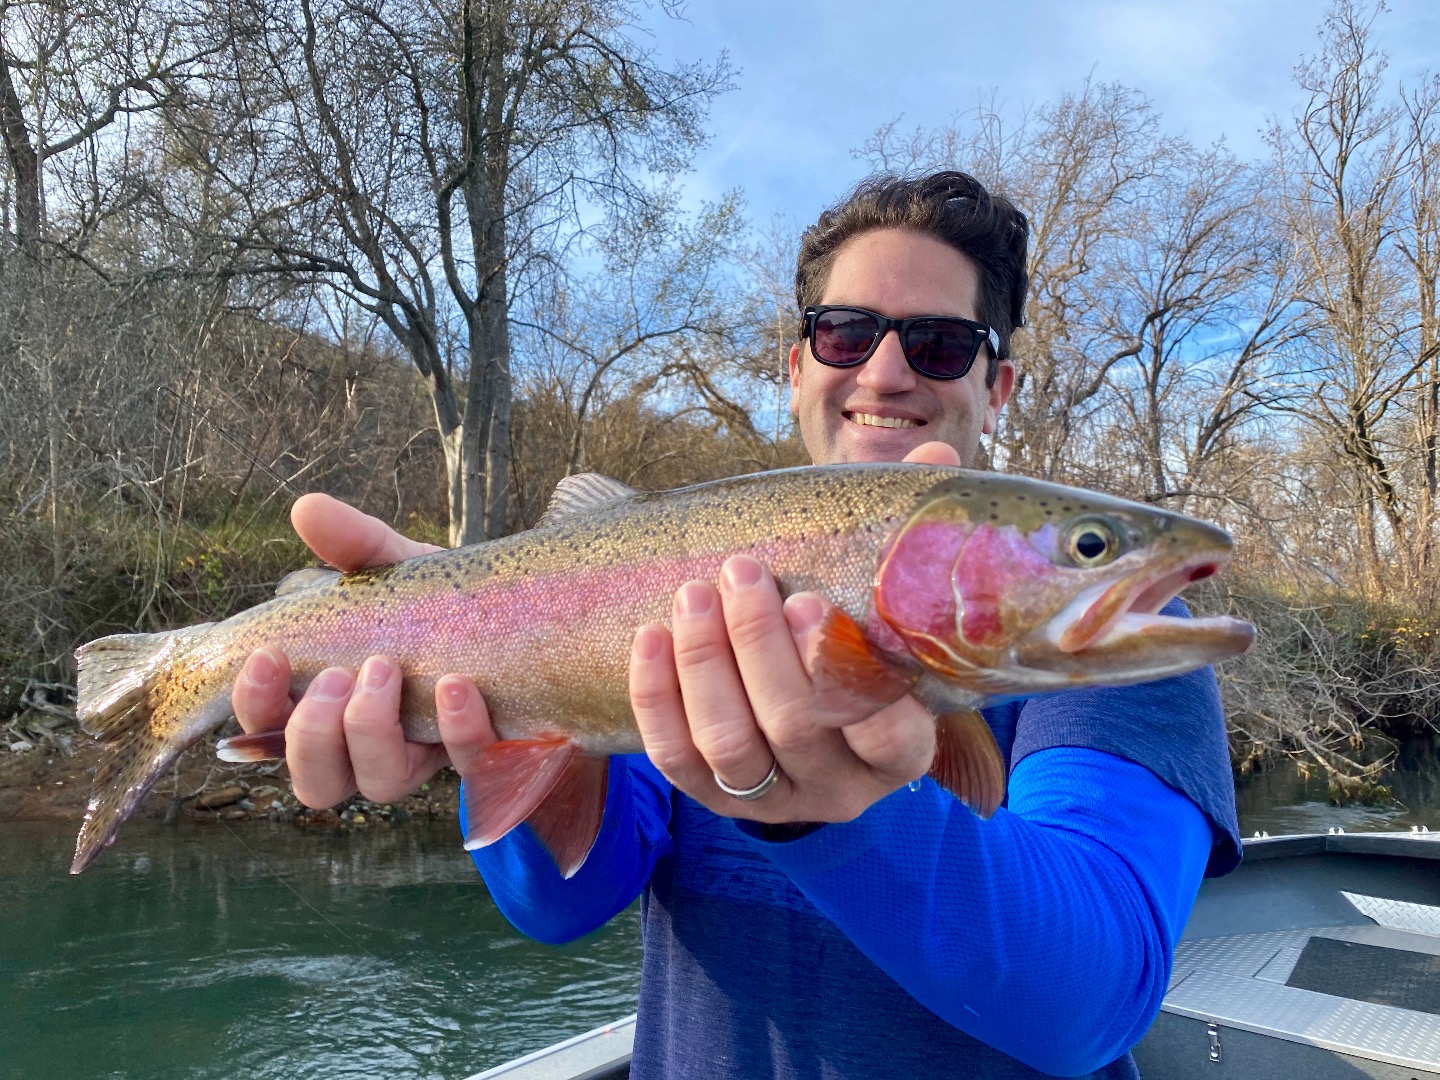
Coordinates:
(887, 371)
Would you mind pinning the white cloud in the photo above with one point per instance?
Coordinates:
(817, 78)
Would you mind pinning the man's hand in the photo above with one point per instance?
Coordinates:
(344, 734)
(725, 693)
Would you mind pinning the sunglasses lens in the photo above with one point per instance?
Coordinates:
(843, 337)
(940, 348)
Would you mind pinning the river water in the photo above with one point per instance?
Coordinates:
(202, 951)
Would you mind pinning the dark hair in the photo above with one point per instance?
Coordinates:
(952, 207)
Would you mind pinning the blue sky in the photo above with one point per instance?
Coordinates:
(816, 78)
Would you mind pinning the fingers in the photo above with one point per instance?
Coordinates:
(261, 697)
(780, 693)
(344, 537)
(660, 712)
(690, 734)
(712, 686)
(315, 749)
(464, 721)
(726, 693)
(384, 764)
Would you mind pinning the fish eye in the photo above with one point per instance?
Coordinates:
(1091, 542)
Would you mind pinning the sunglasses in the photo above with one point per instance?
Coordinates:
(937, 346)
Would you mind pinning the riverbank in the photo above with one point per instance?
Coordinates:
(52, 783)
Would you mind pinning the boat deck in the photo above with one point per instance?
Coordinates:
(1314, 964)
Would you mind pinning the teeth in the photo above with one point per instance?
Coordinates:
(867, 420)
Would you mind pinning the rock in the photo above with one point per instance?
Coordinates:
(20, 746)
(317, 819)
(357, 819)
(264, 791)
(224, 797)
(234, 814)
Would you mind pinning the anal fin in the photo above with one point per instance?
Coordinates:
(968, 763)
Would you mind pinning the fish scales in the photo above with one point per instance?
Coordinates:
(543, 620)
(505, 612)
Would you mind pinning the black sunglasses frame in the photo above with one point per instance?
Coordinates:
(984, 335)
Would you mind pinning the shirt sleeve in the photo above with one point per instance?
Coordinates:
(634, 833)
(1048, 930)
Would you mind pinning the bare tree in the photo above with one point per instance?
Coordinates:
(1142, 247)
(1357, 196)
(441, 166)
(1204, 288)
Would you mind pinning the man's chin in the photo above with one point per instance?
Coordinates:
(860, 442)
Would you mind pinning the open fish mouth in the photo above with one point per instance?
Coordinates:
(1116, 614)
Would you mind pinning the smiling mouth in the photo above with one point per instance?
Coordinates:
(871, 420)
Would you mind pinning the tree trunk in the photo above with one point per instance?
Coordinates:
(24, 162)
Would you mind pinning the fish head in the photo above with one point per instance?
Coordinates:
(1010, 587)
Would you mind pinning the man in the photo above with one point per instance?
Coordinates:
(807, 909)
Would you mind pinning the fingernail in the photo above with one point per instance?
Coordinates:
(741, 572)
(263, 669)
(803, 612)
(649, 643)
(332, 684)
(454, 695)
(375, 673)
(696, 598)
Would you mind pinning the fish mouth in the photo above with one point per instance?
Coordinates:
(1122, 615)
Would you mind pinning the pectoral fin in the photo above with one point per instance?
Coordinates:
(255, 746)
(849, 672)
(567, 822)
(967, 762)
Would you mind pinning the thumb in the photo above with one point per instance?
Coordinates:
(934, 453)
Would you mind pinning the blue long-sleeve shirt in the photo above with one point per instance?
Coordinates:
(1051, 941)
(916, 936)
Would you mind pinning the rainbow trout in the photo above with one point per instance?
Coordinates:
(962, 588)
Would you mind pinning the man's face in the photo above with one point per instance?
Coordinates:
(882, 409)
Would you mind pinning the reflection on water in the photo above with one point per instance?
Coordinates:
(204, 952)
(1282, 800)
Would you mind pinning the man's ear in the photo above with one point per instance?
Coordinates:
(999, 393)
(795, 377)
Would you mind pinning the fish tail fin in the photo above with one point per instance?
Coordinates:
(968, 763)
(548, 783)
(126, 700)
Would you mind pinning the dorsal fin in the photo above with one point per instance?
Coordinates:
(583, 493)
(308, 578)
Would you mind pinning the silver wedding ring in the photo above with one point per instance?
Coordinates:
(748, 794)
